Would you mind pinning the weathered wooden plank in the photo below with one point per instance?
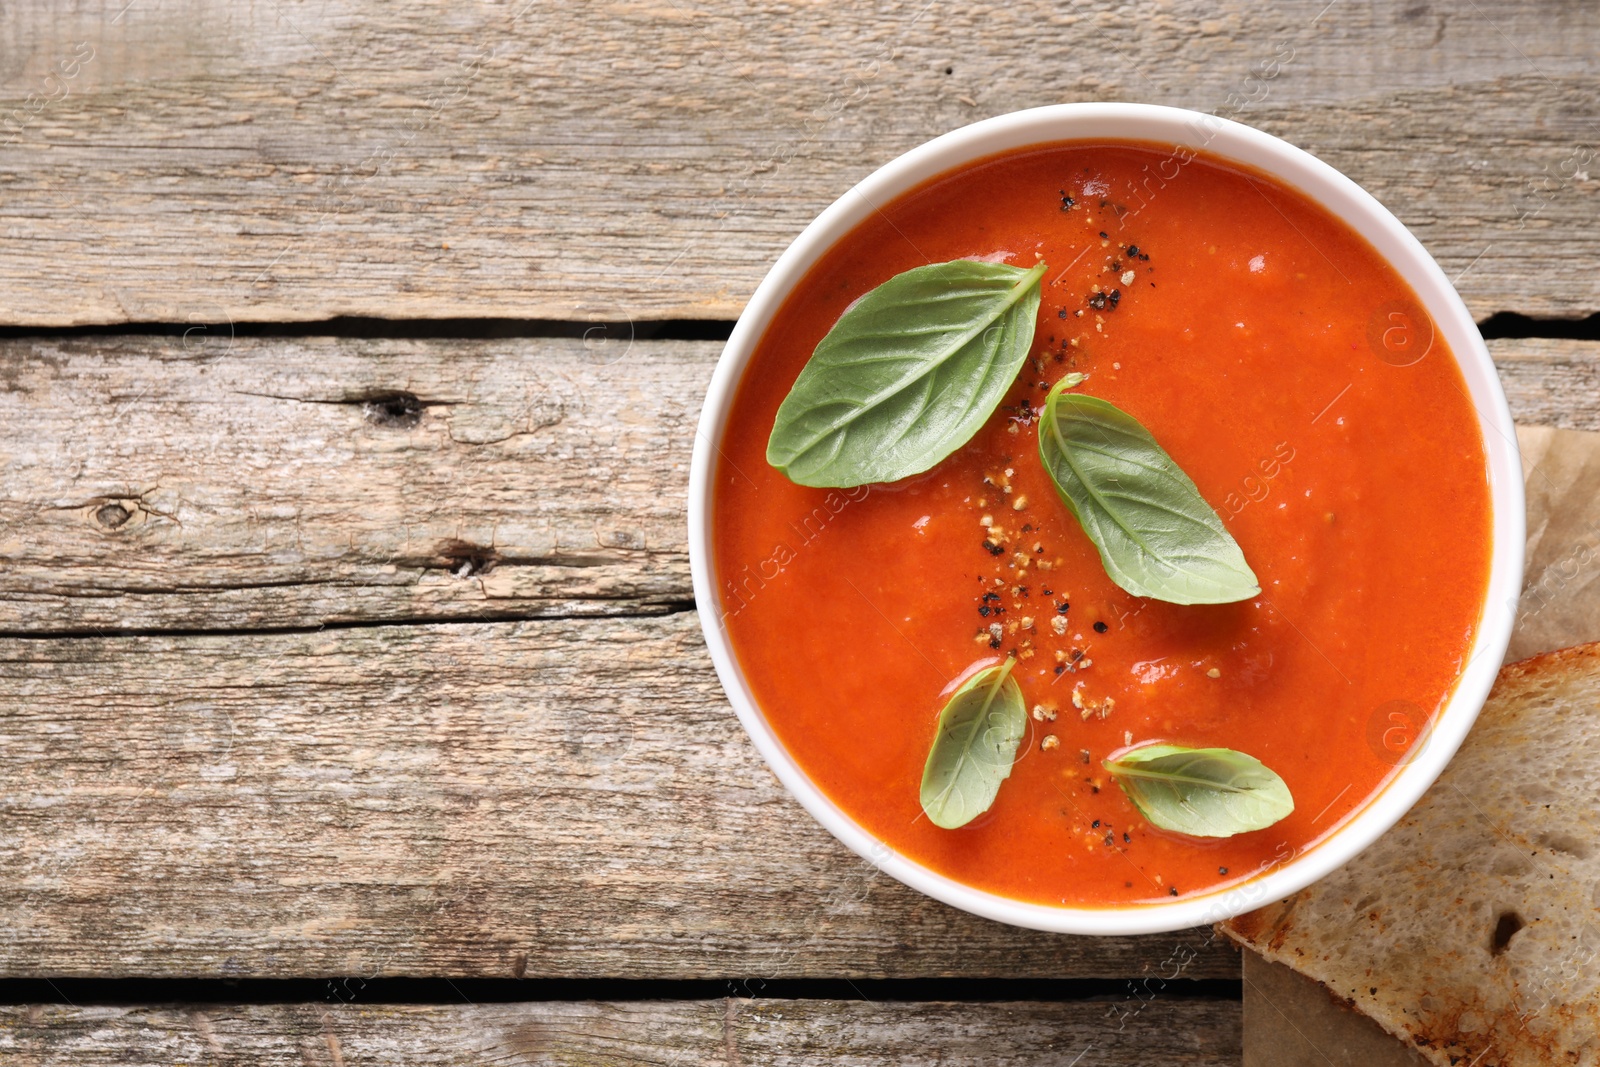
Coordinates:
(1550, 382)
(720, 1033)
(201, 161)
(559, 798)
(152, 486)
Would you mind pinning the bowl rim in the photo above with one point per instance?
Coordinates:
(1232, 141)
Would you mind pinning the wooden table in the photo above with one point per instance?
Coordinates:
(350, 364)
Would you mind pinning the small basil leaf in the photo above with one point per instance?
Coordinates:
(907, 375)
(1203, 792)
(1156, 535)
(978, 734)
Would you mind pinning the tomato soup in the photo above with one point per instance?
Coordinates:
(1282, 364)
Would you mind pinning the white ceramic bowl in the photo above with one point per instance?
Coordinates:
(1230, 141)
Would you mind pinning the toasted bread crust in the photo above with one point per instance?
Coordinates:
(1472, 930)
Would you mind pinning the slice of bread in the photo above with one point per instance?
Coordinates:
(1472, 929)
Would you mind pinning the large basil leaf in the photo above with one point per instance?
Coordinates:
(907, 375)
(1156, 535)
(1203, 792)
(978, 734)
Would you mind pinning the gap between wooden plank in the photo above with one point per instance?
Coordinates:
(349, 989)
(594, 332)
(1502, 324)
(115, 632)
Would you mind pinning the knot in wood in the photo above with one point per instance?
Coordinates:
(399, 410)
(111, 516)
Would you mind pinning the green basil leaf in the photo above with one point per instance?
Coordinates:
(907, 375)
(1203, 792)
(979, 731)
(1156, 535)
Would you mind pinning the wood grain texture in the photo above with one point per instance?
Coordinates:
(202, 161)
(1550, 382)
(152, 484)
(551, 798)
(721, 1033)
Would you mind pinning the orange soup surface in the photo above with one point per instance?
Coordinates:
(1283, 365)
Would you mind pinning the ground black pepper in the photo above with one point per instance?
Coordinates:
(1100, 627)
